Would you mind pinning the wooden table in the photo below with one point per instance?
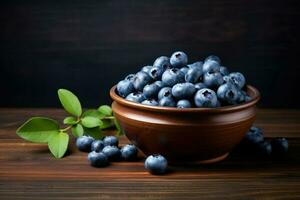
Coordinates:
(28, 171)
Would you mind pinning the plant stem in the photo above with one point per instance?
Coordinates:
(111, 117)
(65, 129)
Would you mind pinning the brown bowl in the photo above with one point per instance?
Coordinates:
(204, 135)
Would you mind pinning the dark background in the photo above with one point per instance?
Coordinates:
(87, 46)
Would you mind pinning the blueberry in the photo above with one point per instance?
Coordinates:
(280, 146)
(84, 143)
(112, 152)
(238, 79)
(241, 96)
(264, 148)
(137, 97)
(199, 86)
(172, 76)
(165, 92)
(150, 102)
(224, 71)
(156, 164)
(156, 72)
(111, 141)
(179, 59)
(140, 80)
(183, 103)
(213, 80)
(97, 145)
(129, 152)
(228, 93)
(193, 74)
(183, 90)
(98, 159)
(167, 102)
(184, 69)
(162, 62)
(196, 64)
(213, 58)
(125, 87)
(210, 66)
(130, 77)
(254, 136)
(159, 83)
(247, 98)
(206, 98)
(151, 90)
(146, 68)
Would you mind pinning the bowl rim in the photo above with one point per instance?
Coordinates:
(255, 98)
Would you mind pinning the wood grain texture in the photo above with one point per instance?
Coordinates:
(28, 171)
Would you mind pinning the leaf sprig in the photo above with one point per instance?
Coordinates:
(46, 130)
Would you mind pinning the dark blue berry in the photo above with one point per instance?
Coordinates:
(112, 152)
(193, 74)
(167, 102)
(172, 76)
(184, 103)
(213, 58)
(162, 62)
(210, 66)
(212, 80)
(151, 90)
(129, 152)
(199, 86)
(198, 64)
(224, 71)
(156, 164)
(228, 93)
(146, 68)
(254, 136)
(125, 87)
(165, 92)
(97, 145)
(179, 59)
(98, 159)
(183, 90)
(238, 79)
(150, 102)
(111, 141)
(264, 148)
(206, 98)
(280, 146)
(84, 143)
(137, 97)
(156, 72)
(140, 80)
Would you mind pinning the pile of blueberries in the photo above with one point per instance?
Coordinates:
(172, 82)
(254, 142)
(102, 152)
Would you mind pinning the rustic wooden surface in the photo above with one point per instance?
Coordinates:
(28, 171)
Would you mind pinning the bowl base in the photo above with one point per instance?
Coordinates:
(201, 162)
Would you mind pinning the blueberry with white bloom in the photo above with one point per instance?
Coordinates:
(184, 103)
(206, 98)
(129, 152)
(172, 76)
(137, 97)
(112, 152)
(84, 143)
(183, 90)
(111, 140)
(97, 145)
(210, 66)
(125, 87)
(151, 90)
(193, 74)
(179, 59)
(213, 58)
(228, 93)
(150, 102)
(140, 80)
(167, 102)
(162, 62)
(165, 92)
(156, 164)
(238, 79)
(146, 68)
(98, 159)
(213, 80)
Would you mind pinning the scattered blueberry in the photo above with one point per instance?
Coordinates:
(183, 90)
(280, 146)
(165, 92)
(125, 87)
(167, 102)
(111, 141)
(98, 159)
(254, 136)
(150, 102)
(172, 76)
(84, 143)
(179, 59)
(112, 152)
(184, 103)
(137, 97)
(206, 98)
(151, 90)
(162, 62)
(264, 148)
(97, 145)
(140, 80)
(156, 164)
(129, 152)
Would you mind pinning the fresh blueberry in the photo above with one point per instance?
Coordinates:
(137, 97)
(206, 98)
(156, 164)
(125, 87)
(264, 148)
(172, 76)
(238, 79)
(224, 71)
(98, 159)
(193, 74)
(162, 62)
(178, 59)
(280, 146)
(97, 145)
(129, 152)
(150, 102)
(228, 93)
(112, 152)
(184, 69)
(84, 143)
(254, 136)
(146, 68)
(183, 90)
(165, 92)
(198, 64)
(167, 102)
(140, 80)
(151, 90)
(111, 141)
(210, 66)
(213, 80)
(183, 103)
(242, 96)
(199, 86)
(130, 77)
(213, 58)
(159, 83)
(247, 98)
(156, 72)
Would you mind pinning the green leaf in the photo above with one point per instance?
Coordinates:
(93, 113)
(118, 127)
(107, 123)
(70, 102)
(94, 132)
(106, 110)
(70, 120)
(58, 144)
(38, 129)
(91, 122)
(77, 130)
